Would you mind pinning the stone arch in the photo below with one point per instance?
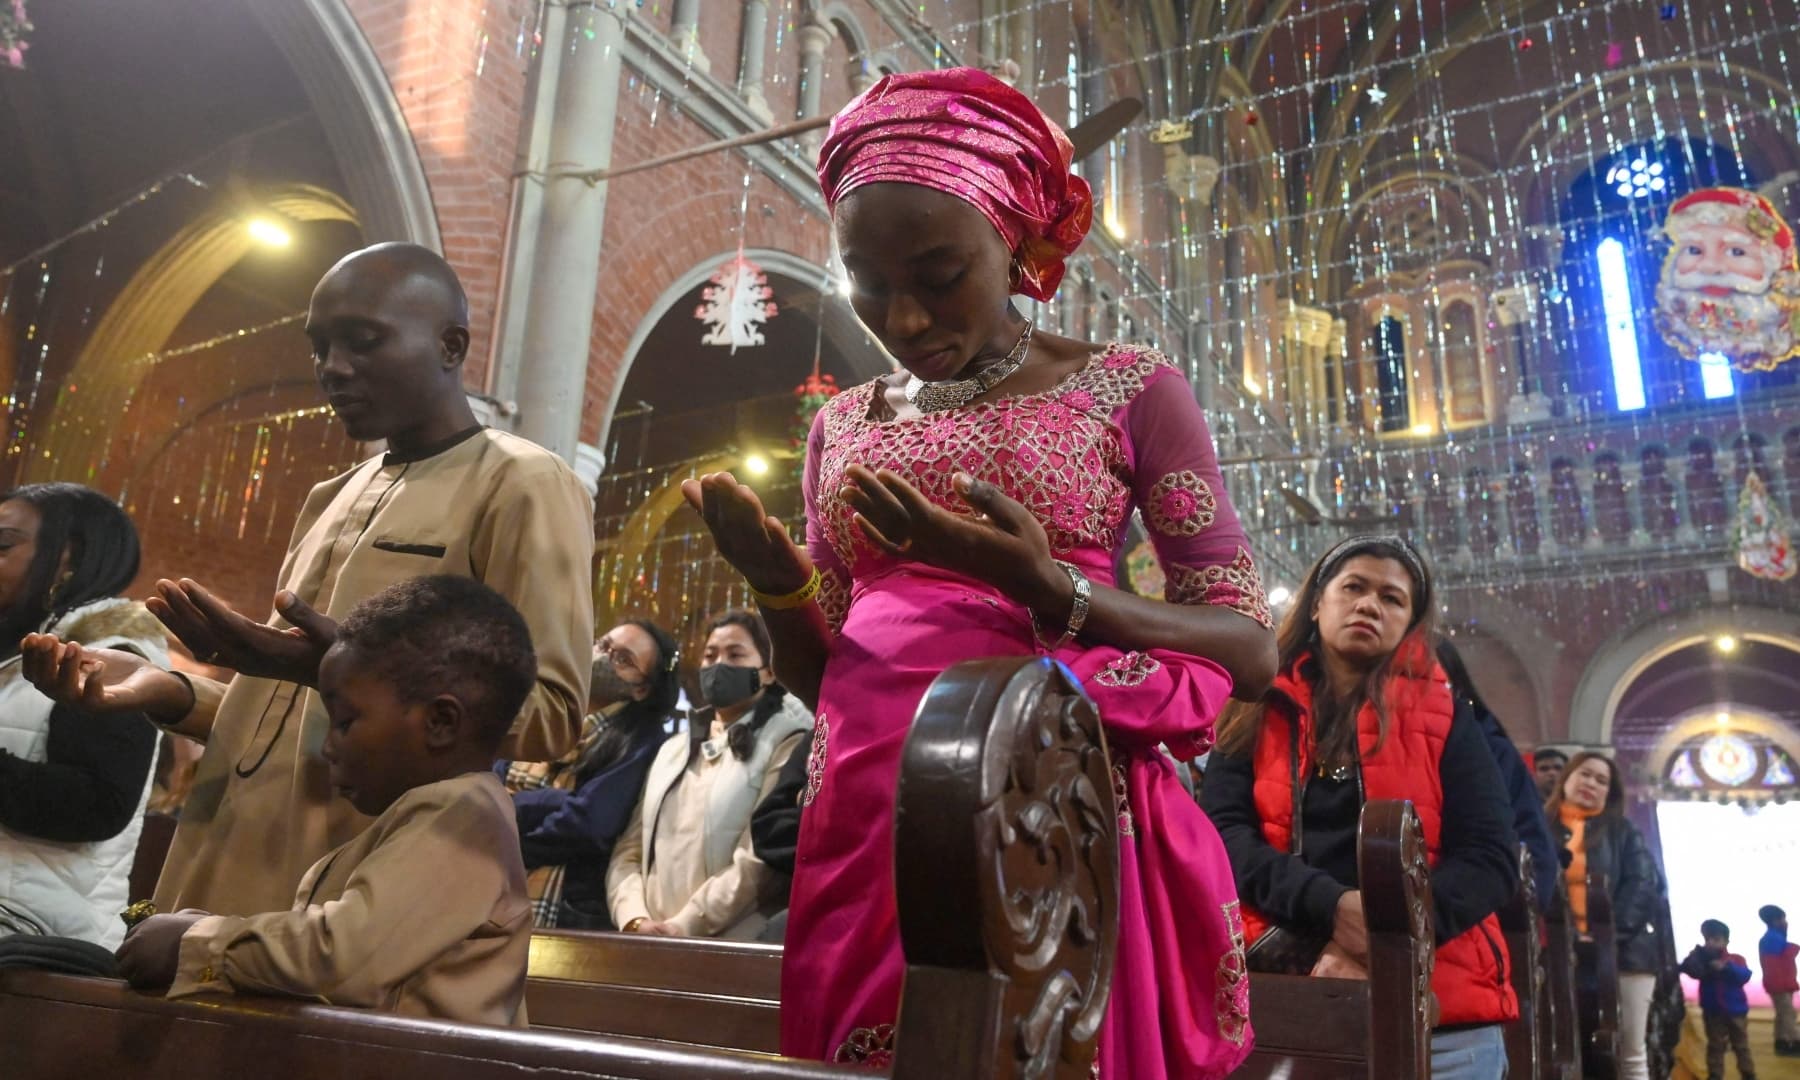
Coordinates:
(840, 322)
(843, 21)
(1618, 663)
(1581, 119)
(148, 309)
(361, 117)
(1525, 634)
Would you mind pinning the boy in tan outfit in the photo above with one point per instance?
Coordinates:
(425, 913)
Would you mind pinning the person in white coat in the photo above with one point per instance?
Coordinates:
(73, 784)
(685, 865)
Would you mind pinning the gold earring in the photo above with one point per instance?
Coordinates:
(1015, 274)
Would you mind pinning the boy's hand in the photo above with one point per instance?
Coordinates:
(1717, 965)
(152, 950)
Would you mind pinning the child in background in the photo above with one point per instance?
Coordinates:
(425, 913)
(1778, 978)
(1722, 975)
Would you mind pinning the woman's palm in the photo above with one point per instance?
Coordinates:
(98, 680)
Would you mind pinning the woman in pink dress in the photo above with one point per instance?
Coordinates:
(971, 505)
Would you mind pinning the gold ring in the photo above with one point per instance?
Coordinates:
(904, 545)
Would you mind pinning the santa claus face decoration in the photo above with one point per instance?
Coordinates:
(1731, 283)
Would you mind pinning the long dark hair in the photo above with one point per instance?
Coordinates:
(1298, 639)
(637, 720)
(1462, 684)
(102, 546)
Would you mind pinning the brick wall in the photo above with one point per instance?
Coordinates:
(458, 69)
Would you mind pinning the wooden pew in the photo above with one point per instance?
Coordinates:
(653, 988)
(620, 984)
(1527, 1053)
(1005, 804)
(1346, 1029)
(1563, 1018)
(58, 1027)
(1602, 1056)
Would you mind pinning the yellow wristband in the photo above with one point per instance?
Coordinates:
(798, 598)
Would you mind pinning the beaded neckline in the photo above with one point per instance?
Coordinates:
(878, 386)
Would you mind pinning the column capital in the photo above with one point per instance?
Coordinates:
(814, 36)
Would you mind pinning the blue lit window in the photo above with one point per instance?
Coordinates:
(1390, 373)
(1715, 376)
(1602, 298)
(1621, 326)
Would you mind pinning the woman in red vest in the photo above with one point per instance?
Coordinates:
(1361, 710)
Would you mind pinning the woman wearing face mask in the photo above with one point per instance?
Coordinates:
(1361, 710)
(572, 811)
(684, 865)
(1587, 809)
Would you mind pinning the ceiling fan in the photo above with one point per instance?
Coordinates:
(1088, 136)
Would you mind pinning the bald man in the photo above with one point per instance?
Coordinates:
(389, 331)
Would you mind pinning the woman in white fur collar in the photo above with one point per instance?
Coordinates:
(72, 784)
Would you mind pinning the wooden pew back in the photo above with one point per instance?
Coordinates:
(1342, 1029)
(1603, 1042)
(1527, 1055)
(694, 990)
(56, 1027)
(1563, 1018)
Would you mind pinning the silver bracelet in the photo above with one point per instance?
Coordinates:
(1078, 608)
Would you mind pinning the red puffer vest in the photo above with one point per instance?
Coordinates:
(1471, 979)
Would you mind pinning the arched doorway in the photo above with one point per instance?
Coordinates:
(1708, 737)
(183, 173)
(685, 407)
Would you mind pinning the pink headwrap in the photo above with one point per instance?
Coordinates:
(964, 132)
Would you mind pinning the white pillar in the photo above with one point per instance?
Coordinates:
(565, 259)
(685, 32)
(814, 38)
(526, 221)
(750, 66)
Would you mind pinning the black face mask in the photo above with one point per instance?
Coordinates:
(725, 685)
(610, 687)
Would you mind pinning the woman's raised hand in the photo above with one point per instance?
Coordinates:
(999, 541)
(101, 680)
(753, 542)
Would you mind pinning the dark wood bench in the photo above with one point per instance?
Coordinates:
(1561, 1022)
(1528, 1052)
(1343, 1029)
(653, 988)
(1002, 755)
(1600, 1012)
(624, 984)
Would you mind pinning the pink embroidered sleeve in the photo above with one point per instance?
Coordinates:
(834, 594)
(1177, 486)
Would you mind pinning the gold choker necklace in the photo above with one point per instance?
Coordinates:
(930, 397)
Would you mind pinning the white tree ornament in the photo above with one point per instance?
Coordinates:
(736, 301)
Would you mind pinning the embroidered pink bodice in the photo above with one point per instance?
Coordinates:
(1123, 431)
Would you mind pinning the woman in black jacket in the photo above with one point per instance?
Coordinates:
(1587, 810)
(1529, 823)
